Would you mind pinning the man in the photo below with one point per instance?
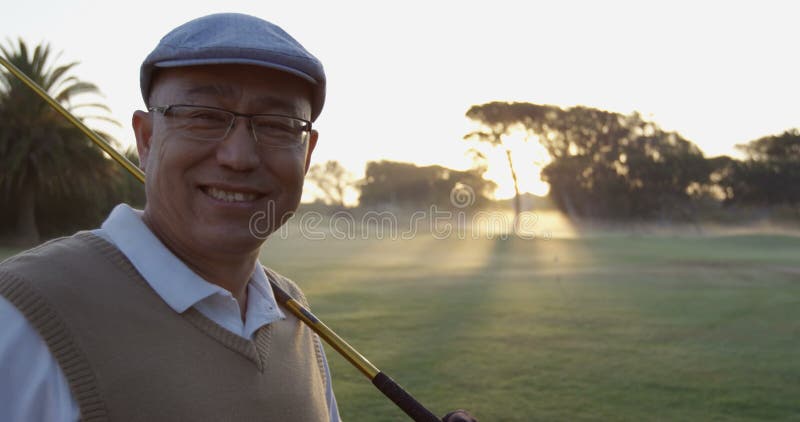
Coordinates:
(166, 314)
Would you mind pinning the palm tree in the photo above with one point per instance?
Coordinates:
(41, 154)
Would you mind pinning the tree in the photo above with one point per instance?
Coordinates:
(775, 148)
(494, 132)
(770, 174)
(41, 154)
(604, 164)
(404, 185)
(332, 179)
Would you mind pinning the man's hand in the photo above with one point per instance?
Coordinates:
(458, 416)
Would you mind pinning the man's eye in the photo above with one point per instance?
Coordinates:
(207, 116)
(276, 126)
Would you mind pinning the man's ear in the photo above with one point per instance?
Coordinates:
(312, 143)
(143, 130)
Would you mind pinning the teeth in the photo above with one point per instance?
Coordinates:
(228, 196)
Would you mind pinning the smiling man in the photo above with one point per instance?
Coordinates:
(220, 144)
(166, 314)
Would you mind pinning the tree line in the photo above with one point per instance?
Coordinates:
(611, 166)
(604, 165)
(397, 185)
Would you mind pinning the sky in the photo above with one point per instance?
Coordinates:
(401, 75)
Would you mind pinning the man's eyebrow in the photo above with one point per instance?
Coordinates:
(276, 104)
(267, 103)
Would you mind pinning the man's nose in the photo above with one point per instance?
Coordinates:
(238, 150)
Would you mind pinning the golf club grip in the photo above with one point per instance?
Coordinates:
(402, 399)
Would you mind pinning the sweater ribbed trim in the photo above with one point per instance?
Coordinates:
(256, 351)
(297, 294)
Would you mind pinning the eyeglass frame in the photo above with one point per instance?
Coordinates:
(165, 108)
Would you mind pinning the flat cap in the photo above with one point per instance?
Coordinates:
(235, 38)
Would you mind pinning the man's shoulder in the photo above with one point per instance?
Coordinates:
(54, 260)
(62, 248)
(36, 279)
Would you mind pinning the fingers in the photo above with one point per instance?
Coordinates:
(458, 416)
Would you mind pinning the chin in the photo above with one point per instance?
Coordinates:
(231, 240)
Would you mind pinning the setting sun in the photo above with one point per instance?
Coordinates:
(529, 158)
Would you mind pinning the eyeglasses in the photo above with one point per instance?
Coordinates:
(213, 124)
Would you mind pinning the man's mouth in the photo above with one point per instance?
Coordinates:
(229, 195)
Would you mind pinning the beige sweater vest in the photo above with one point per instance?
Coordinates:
(129, 357)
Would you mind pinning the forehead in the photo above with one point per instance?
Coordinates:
(245, 88)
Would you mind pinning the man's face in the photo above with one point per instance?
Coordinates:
(202, 195)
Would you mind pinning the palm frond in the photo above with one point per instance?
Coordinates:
(101, 106)
(102, 118)
(76, 89)
(52, 78)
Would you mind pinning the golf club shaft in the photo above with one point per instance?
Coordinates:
(382, 382)
(385, 384)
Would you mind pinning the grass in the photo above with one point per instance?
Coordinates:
(611, 327)
(6, 251)
(604, 328)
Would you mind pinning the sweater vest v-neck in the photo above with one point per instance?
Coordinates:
(128, 356)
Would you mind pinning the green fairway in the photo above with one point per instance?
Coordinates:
(5, 252)
(600, 328)
(605, 328)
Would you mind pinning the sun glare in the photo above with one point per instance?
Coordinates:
(529, 157)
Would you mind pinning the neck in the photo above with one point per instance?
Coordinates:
(230, 271)
(231, 275)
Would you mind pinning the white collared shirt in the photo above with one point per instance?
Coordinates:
(32, 385)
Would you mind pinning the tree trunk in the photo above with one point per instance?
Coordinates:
(27, 234)
(517, 204)
(568, 206)
(340, 196)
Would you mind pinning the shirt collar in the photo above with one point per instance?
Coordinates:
(179, 286)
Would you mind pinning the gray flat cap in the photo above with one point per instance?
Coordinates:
(226, 38)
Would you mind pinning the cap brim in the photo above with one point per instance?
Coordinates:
(213, 61)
